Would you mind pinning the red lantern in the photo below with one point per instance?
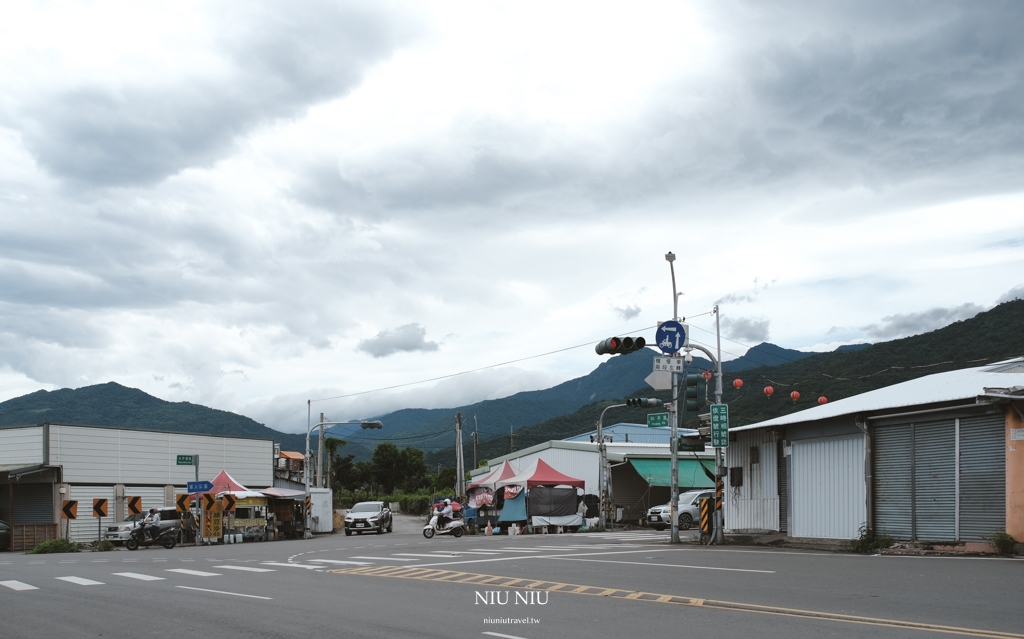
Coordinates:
(768, 390)
(737, 383)
(822, 399)
(794, 396)
(706, 375)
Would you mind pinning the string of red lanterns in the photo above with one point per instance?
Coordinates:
(768, 390)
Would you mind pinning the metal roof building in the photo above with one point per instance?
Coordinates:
(934, 459)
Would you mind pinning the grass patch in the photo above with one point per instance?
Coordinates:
(54, 546)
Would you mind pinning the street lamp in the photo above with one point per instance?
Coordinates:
(602, 480)
(367, 424)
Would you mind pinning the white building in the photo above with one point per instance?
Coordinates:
(932, 459)
(42, 465)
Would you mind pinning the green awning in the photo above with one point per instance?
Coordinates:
(658, 472)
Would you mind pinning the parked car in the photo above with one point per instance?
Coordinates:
(119, 533)
(366, 516)
(659, 517)
(5, 536)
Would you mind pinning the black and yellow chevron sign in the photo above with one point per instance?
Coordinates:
(99, 507)
(69, 509)
(134, 505)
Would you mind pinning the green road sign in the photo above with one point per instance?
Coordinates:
(657, 420)
(720, 425)
(184, 460)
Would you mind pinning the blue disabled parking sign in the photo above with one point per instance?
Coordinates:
(672, 336)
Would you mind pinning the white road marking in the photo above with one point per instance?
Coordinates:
(498, 634)
(140, 577)
(640, 563)
(517, 550)
(471, 552)
(274, 563)
(17, 585)
(412, 554)
(247, 568)
(197, 573)
(221, 592)
(339, 561)
(385, 558)
(81, 581)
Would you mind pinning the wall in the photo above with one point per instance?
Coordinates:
(21, 445)
(117, 456)
(1014, 475)
(753, 506)
(827, 487)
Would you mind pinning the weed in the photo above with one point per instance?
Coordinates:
(869, 541)
(1002, 541)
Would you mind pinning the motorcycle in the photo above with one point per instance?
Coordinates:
(168, 538)
(455, 528)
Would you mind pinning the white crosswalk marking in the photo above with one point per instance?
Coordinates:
(81, 581)
(197, 573)
(339, 561)
(277, 563)
(139, 576)
(384, 558)
(17, 585)
(246, 568)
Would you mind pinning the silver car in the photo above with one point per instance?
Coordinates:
(660, 517)
(119, 533)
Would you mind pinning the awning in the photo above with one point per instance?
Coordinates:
(283, 493)
(658, 472)
(287, 454)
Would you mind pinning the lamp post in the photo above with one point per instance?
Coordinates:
(602, 453)
(309, 458)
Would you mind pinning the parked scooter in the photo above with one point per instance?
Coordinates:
(455, 528)
(168, 538)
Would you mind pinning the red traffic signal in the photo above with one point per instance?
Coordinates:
(619, 345)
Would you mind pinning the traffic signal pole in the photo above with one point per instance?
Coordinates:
(673, 419)
(719, 458)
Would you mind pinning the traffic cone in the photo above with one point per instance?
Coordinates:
(490, 531)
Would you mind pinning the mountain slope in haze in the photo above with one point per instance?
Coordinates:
(986, 338)
(112, 404)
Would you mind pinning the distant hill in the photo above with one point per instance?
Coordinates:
(988, 337)
(112, 404)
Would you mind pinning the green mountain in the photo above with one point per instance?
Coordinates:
(112, 404)
(988, 337)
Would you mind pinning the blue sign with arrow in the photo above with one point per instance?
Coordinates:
(672, 336)
(199, 486)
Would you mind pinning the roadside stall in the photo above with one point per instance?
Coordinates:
(485, 499)
(284, 513)
(550, 506)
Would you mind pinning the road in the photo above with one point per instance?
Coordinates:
(583, 585)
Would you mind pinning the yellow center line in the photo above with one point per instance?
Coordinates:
(402, 572)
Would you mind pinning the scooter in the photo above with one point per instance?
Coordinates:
(167, 538)
(455, 528)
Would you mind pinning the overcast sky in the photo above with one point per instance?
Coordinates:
(250, 205)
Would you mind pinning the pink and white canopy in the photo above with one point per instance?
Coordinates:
(504, 471)
(540, 473)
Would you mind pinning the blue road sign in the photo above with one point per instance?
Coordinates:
(199, 486)
(672, 336)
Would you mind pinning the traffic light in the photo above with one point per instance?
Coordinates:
(643, 402)
(619, 345)
(690, 401)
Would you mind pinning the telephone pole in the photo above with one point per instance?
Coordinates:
(460, 470)
(476, 442)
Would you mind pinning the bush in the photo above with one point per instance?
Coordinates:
(1002, 541)
(105, 546)
(54, 545)
(869, 541)
(414, 504)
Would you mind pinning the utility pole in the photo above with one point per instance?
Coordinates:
(476, 442)
(320, 457)
(719, 458)
(511, 440)
(460, 470)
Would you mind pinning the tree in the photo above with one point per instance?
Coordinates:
(414, 469)
(331, 446)
(387, 466)
(364, 473)
(344, 474)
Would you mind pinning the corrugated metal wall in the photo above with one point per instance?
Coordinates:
(893, 447)
(83, 529)
(934, 488)
(828, 487)
(753, 506)
(33, 503)
(21, 445)
(102, 455)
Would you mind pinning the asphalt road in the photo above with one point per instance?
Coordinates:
(575, 585)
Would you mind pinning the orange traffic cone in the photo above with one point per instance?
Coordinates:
(490, 531)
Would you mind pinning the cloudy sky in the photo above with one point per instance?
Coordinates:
(248, 205)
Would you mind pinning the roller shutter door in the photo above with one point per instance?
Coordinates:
(982, 476)
(33, 504)
(935, 481)
(893, 451)
(783, 489)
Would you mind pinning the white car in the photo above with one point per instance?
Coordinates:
(660, 517)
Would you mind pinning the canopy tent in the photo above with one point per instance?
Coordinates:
(283, 493)
(693, 473)
(505, 471)
(540, 473)
(225, 483)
